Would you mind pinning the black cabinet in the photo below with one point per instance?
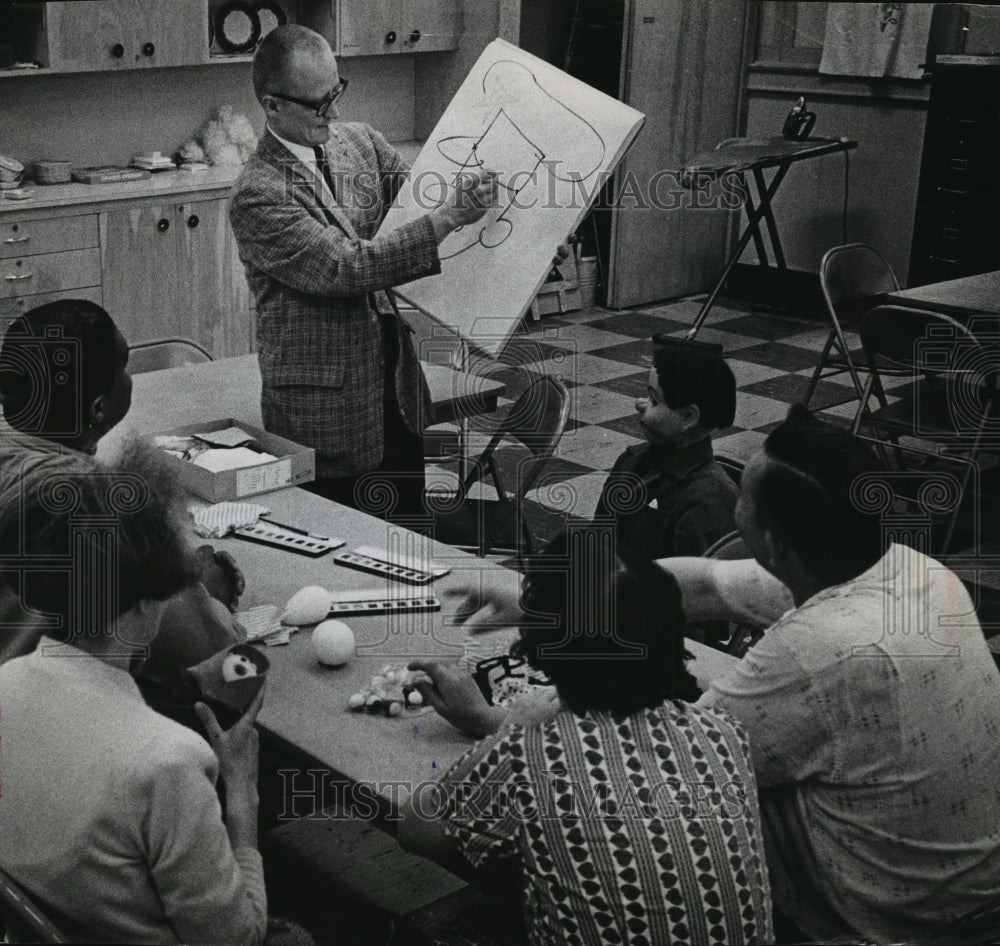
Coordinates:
(957, 227)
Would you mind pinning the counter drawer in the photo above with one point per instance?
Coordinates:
(49, 272)
(33, 237)
(12, 308)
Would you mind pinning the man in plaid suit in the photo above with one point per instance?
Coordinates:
(338, 367)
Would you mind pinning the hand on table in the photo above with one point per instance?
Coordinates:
(221, 576)
(538, 705)
(457, 698)
(486, 610)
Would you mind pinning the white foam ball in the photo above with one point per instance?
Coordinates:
(307, 606)
(333, 643)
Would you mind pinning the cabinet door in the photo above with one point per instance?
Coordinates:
(83, 37)
(369, 27)
(139, 264)
(173, 33)
(673, 243)
(212, 289)
(126, 34)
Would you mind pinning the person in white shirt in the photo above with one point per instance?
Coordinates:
(872, 705)
(109, 814)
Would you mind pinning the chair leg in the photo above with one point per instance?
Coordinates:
(817, 374)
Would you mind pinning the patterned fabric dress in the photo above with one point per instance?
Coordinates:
(644, 831)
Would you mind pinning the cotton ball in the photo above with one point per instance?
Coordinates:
(226, 155)
(242, 136)
(218, 148)
(191, 152)
(333, 643)
(307, 606)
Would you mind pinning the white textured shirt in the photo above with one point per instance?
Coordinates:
(873, 712)
(306, 156)
(109, 816)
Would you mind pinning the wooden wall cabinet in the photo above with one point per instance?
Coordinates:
(171, 270)
(163, 266)
(382, 27)
(126, 34)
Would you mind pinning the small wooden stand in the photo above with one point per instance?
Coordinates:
(559, 295)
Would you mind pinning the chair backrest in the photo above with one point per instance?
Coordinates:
(852, 274)
(729, 548)
(165, 353)
(734, 468)
(536, 420)
(922, 341)
(24, 922)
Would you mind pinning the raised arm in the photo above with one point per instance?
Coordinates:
(741, 591)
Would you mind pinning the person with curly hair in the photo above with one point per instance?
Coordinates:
(628, 811)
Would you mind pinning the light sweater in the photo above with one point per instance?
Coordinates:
(109, 815)
(873, 711)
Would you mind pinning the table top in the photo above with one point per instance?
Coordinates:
(970, 295)
(743, 154)
(306, 704)
(230, 387)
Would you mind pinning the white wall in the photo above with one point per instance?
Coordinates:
(104, 117)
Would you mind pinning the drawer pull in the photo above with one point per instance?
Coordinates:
(163, 225)
(148, 49)
(21, 239)
(118, 50)
(193, 221)
(19, 278)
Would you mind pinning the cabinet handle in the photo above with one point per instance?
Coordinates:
(163, 225)
(148, 49)
(193, 221)
(415, 36)
(19, 278)
(118, 50)
(390, 37)
(22, 239)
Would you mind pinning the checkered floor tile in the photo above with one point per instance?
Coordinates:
(604, 357)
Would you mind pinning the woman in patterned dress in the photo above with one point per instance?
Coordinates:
(632, 815)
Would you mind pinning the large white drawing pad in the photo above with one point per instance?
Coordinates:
(553, 142)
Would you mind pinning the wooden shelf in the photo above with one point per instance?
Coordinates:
(22, 73)
(221, 59)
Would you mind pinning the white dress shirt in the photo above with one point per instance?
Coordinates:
(307, 156)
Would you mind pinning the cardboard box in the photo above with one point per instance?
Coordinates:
(295, 464)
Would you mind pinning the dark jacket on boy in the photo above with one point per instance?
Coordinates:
(686, 501)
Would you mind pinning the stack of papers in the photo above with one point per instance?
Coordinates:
(153, 161)
(235, 459)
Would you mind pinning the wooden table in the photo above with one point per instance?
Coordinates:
(306, 706)
(230, 387)
(960, 298)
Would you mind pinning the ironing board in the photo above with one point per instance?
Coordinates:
(743, 156)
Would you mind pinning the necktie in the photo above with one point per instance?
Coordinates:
(324, 168)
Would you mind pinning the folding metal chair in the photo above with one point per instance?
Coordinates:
(165, 353)
(536, 421)
(23, 921)
(854, 278)
(735, 639)
(952, 402)
(734, 468)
